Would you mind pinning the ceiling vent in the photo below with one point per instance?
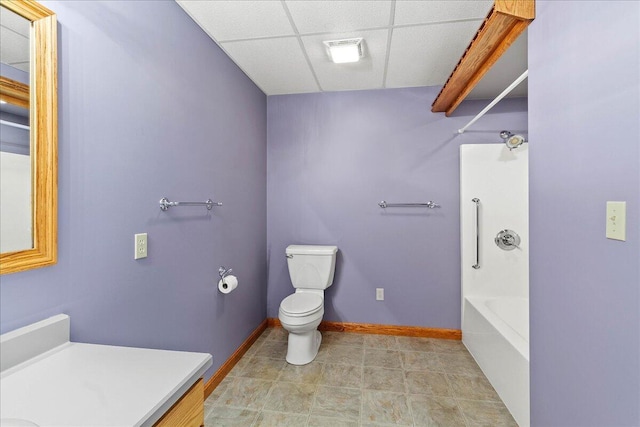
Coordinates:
(344, 51)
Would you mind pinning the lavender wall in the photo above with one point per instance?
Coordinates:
(333, 156)
(584, 118)
(147, 113)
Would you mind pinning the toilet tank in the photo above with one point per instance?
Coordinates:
(310, 266)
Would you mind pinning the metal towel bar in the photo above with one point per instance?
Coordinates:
(165, 204)
(477, 202)
(430, 204)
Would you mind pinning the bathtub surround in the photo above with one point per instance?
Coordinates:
(146, 113)
(333, 156)
(494, 182)
(584, 122)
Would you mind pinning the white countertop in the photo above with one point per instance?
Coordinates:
(83, 385)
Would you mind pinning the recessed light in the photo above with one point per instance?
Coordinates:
(344, 51)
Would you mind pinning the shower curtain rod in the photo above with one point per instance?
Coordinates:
(495, 101)
(15, 125)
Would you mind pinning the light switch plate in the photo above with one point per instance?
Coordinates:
(379, 294)
(140, 246)
(616, 220)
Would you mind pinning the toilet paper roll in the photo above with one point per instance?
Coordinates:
(227, 284)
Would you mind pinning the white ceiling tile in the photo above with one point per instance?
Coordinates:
(14, 47)
(425, 55)
(423, 12)
(322, 16)
(14, 22)
(276, 65)
(237, 20)
(508, 68)
(366, 74)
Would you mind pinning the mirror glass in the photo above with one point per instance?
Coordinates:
(16, 207)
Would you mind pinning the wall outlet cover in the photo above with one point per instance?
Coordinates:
(616, 220)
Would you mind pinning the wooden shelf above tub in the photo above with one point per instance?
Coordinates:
(505, 22)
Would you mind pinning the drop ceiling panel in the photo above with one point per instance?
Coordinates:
(427, 39)
(233, 20)
(321, 16)
(368, 73)
(14, 22)
(425, 55)
(277, 65)
(424, 12)
(15, 48)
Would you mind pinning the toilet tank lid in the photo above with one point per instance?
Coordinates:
(311, 250)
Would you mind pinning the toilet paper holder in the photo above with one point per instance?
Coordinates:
(224, 272)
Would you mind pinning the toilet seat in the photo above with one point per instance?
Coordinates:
(301, 305)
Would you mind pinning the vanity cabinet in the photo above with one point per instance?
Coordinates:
(186, 412)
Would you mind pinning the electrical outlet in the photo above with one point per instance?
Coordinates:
(140, 246)
(379, 294)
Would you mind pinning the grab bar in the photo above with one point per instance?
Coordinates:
(430, 204)
(165, 204)
(477, 202)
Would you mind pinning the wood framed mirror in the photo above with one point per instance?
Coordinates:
(43, 124)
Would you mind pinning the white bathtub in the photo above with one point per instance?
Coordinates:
(496, 333)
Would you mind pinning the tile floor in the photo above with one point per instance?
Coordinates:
(357, 380)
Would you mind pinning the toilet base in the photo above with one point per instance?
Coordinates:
(303, 348)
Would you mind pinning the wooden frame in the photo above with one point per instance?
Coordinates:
(14, 92)
(44, 138)
(505, 22)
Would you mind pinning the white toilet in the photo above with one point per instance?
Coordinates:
(311, 269)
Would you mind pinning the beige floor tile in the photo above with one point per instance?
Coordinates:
(376, 378)
(486, 414)
(275, 334)
(341, 375)
(337, 402)
(280, 419)
(383, 407)
(414, 344)
(315, 421)
(290, 397)
(273, 349)
(345, 355)
(387, 342)
(459, 363)
(323, 353)
(436, 411)
(309, 373)
(382, 358)
(427, 382)
(263, 368)
(472, 387)
(448, 346)
(225, 416)
(218, 391)
(343, 338)
(245, 393)
(242, 363)
(420, 361)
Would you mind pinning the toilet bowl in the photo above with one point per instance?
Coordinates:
(300, 314)
(311, 269)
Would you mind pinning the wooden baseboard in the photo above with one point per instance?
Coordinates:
(369, 328)
(232, 360)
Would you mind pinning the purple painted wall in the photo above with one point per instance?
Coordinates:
(147, 113)
(584, 118)
(333, 156)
